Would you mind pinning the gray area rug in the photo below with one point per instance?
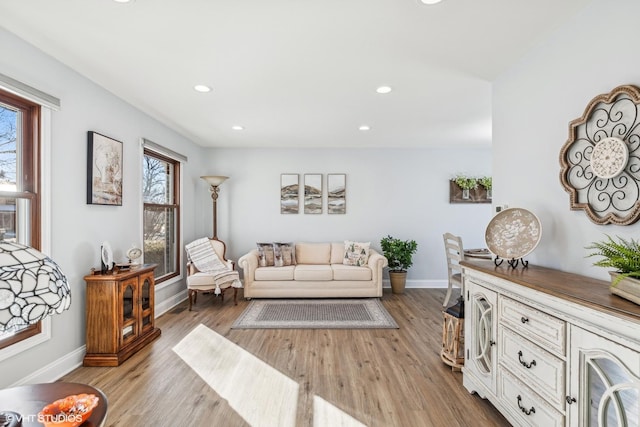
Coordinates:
(315, 314)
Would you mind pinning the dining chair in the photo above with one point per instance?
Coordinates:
(455, 254)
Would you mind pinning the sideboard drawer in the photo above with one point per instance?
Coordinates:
(540, 369)
(543, 329)
(521, 400)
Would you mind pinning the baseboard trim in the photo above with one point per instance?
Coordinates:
(420, 284)
(170, 302)
(56, 369)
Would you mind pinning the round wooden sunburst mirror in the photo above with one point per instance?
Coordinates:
(601, 158)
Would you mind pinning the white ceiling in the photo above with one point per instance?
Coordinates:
(297, 73)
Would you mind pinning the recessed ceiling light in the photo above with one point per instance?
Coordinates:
(236, 127)
(430, 1)
(202, 88)
(364, 127)
(383, 89)
(123, 1)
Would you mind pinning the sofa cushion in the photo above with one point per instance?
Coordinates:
(307, 272)
(283, 254)
(337, 253)
(313, 253)
(265, 254)
(356, 253)
(274, 273)
(348, 272)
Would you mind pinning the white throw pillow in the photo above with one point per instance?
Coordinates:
(356, 253)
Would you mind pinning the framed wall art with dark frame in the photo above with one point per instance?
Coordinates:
(313, 193)
(104, 170)
(289, 198)
(336, 193)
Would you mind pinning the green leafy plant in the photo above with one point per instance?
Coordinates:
(398, 252)
(486, 182)
(623, 255)
(466, 182)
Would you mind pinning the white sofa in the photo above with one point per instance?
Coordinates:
(318, 272)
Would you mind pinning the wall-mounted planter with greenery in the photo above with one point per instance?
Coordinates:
(468, 189)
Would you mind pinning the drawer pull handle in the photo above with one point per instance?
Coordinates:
(525, 364)
(571, 400)
(524, 319)
(525, 410)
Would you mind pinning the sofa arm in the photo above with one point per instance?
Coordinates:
(249, 264)
(376, 263)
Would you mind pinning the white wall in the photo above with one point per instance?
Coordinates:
(533, 105)
(402, 192)
(77, 228)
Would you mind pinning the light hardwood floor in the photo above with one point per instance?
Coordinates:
(381, 377)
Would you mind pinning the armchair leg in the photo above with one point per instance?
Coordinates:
(191, 292)
(235, 296)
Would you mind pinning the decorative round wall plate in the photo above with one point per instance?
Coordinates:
(601, 158)
(513, 233)
(107, 255)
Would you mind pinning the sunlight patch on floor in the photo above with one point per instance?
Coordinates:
(327, 415)
(260, 394)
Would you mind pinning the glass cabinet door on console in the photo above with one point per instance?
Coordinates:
(481, 330)
(146, 302)
(605, 383)
(128, 315)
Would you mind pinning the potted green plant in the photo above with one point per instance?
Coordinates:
(466, 183)
(487, 183)
(624, 257)
(399, 254)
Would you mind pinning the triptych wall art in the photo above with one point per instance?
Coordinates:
(312, 191)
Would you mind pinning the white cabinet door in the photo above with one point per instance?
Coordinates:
(604, 382)
(481, 330)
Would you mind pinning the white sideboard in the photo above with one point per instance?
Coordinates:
(550, 348)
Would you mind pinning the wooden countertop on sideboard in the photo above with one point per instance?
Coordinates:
(587, 291)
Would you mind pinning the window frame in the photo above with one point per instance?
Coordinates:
(176, 205)
(30, 169)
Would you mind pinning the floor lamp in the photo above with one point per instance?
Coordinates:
(214, 182)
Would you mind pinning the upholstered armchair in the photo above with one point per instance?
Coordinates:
(198, 281)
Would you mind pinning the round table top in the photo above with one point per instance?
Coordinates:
(28, 400)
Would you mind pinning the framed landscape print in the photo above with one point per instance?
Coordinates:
(336, 193)
(104, 170)
(289, 200)
(313, 193)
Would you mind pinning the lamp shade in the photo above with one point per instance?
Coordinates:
(214, 180)
(32, 286)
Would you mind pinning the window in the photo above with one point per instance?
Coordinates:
(161, 216)
(19, 186)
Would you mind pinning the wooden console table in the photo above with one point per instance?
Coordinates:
(119, 314)
(28, 400)
(550, 348)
